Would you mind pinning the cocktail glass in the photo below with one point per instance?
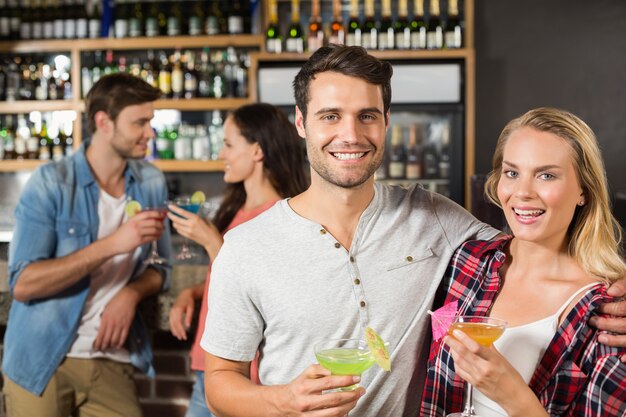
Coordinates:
(154, 257)
(344, 357)
(484, 330)
(186, 204)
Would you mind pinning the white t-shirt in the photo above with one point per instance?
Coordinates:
(106, 281)
(282, 283)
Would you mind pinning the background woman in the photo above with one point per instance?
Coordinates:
(263, 163)
(546, 281)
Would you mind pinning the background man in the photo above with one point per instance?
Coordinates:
(76, 267)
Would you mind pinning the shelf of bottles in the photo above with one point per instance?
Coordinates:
(430, 29)
(418, 151)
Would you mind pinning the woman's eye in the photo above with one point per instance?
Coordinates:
(546, 176)
(510, 174)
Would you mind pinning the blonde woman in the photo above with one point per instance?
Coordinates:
(546, 281)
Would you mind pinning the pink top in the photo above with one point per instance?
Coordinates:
(197, 353)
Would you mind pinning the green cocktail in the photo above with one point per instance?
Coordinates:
(344, 357)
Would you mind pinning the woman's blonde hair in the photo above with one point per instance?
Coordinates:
(594, 234)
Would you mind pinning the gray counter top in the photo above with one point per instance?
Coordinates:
(155, 310)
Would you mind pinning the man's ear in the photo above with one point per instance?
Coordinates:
(102, 121)
(300, 123)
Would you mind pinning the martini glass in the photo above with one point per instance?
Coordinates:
(154, 258)
(484, 330)
(185, 203)
(344, 357)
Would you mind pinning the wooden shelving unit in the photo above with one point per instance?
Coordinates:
(254, 42)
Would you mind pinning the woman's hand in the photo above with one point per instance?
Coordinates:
(195, 228)
(181, 313)
(489, 372)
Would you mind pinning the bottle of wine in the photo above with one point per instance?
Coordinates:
(434, 33)
(191, 75)
(401, 27)
(196, 19)
(295, 41)
(205, 74)
(337, 32)
(26, 26)
(174, 20)
(152, 20)
(136, 21)
(177, 77)
(37, 19)
(235, 18)
(273, 40)
(165, 75)
(353, 37)
(121, 18)
(418, 26)
(315, 37)
(5, 35)
(370, 30)
(454, 32)
(397, 154)
(48, 20)
(95, 20)
(59, 20)
(15, 19)
(386, 37)
(414, 152)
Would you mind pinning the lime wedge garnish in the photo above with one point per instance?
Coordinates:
(132, 207)
(378, 348)
(198, 198)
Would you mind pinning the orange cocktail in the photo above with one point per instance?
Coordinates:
(483, 333)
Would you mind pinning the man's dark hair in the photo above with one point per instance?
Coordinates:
(112, 93)
(353, 61)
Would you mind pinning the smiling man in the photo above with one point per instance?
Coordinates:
(76, 268)
(345, 254)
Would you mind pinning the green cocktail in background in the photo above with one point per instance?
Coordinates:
(344, 357)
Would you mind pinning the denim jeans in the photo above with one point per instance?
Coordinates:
(197, 402)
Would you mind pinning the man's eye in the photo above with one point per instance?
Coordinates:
(330, 117)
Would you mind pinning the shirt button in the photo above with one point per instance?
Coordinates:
(71, 231)
(357, 281)
(362, 304)
(409, 258)
(337, 245)
(352, 259)
(322, 231)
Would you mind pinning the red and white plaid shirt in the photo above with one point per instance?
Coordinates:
(577, 376)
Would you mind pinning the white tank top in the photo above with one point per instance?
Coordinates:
(523, 346)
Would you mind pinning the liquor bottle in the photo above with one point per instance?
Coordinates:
(94, 22)
(315, 36)
(12, 81)
(337, 32)
(386, 36)
(178, 77)
(37, 19)
(414, 152)
(418, 26)
(135, 23)
(430, 158)
(3, 78)
(19, 142)
(32, 142)
(56, 145)
(454, 32)
(69, 21)
(434, 33)
(216, 134)
(174, 20)
(231, 67)
(397, 155)
(97, 70)
(401, 27)
(196, 19)
(165, 75)
(201, 144)
(370, 31)
(219, 83)
(190, 84)
(82, 25)
(353, 38)
(121, 18)
(152, 20)
(163, 144)
(205, 74)
(41, 84)
(45, 149)
(48, 19)
(241, 74)
(149, 70)
(215, 21)
(5, 35)
(15, 19)
(8, 132)
(59, 19)
(135, 66)
(295, 41)
(273, 40)
(69, 140)
(444, 155)
(26, 27)
(235, 18)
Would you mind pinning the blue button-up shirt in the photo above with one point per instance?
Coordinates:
(57, 214)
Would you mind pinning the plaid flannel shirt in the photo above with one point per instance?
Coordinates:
(577, 376)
